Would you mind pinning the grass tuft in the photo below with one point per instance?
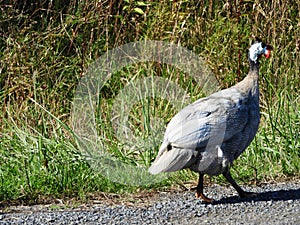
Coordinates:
(46, 48)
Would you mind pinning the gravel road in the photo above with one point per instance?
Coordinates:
(276, 204)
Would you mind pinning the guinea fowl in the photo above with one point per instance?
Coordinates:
(209, 134)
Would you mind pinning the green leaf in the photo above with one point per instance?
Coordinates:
(139, 11)
(141, 4)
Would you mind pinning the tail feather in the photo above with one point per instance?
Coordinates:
(173, 160)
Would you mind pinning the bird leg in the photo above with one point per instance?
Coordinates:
(199, 190)
(242, 193)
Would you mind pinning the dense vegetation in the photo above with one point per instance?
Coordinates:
(46, 47)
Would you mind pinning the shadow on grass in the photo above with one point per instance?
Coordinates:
(279, 195)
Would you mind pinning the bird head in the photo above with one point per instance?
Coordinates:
(257, 49)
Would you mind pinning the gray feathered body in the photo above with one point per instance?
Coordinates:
(209, 134)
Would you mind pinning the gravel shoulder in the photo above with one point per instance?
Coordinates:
(276, 204)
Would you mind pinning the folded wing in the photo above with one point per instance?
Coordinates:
(209, 121)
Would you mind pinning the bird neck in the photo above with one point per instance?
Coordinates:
(250, 84)
(254, 67)
(252, 81)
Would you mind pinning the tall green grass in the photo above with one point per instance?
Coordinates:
(46, 48)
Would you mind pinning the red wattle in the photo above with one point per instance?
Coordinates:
(267, 53)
